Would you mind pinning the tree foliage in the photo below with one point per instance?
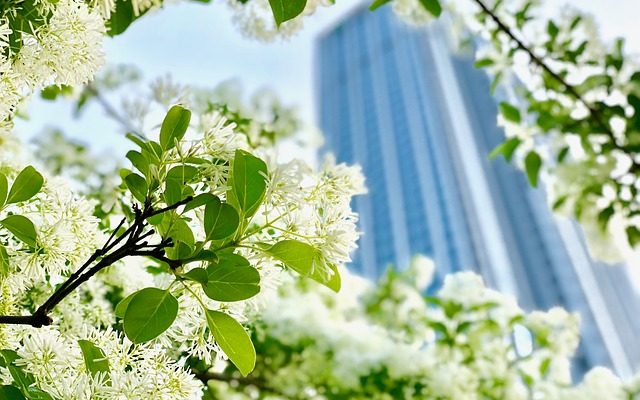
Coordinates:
(153, 273)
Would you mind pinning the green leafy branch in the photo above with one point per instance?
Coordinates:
(535, 59)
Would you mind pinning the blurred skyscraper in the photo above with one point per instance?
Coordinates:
(420, 120)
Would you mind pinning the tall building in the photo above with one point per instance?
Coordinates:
(420, 120)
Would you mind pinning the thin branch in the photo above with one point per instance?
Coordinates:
(134, 244)
(115, 231)
(171, 207)
(595, 113)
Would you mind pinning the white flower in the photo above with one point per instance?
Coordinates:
(556, 328)
(600, 384)
(71, 43)
(412, 12)
(106, 7)
(255, 19)
(140, 6)
(422, 268)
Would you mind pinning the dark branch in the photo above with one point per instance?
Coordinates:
(171, 207)
(134, 245)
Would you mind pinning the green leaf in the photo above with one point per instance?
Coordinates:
(121, 17)
(433, 6)
(182, 173)
(220, 220)
(552, 29)
(483, 62)
(151, 311)
(51, 92)
(172, 192)
(510, 113)
(633, 235)
(181, 232)
(4, 262)
(174, 126)
(532, 164)
(204, 255)
(228, 257)
(231, 282)
(27, 184)
(139, 161)
(598, 81)
(233, 340)
(4, 188)
(307, 261)
(506, 148)
(94, 359)
(377, 4)
(284, 10)
(183, 240)
(248, 182)
(198, 275)
(562, 154)
(137, 186)
(603, 218)
(121, 308)
(559, 202)
(497, 78)
(200, 200)
(22, 228)
(10, 393)
(23, 380)
(7, 357)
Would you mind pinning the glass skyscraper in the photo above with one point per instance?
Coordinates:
(420, 120)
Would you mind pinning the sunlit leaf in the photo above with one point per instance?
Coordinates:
(284, 10)
(26, 185)
(532, 164)
(248, 182)
(22, 228)
(220, 220)
(137, 186)
(174, 126)
(307, 261)
(233, 340)
(94, 359)
(150, 312)
(231, 282)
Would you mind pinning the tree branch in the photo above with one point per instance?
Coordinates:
(594, 112)
(135, 237)
(111, 111)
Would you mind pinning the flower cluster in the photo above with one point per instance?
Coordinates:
(58, 367)
(387, 342)
(44, 43)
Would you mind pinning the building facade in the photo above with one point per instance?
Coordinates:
(420, 120)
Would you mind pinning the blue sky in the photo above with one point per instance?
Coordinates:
(198, 44)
